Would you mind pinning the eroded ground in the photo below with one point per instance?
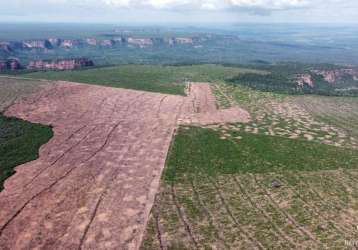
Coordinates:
(95, 181)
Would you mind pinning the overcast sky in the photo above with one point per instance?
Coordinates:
(180, 11)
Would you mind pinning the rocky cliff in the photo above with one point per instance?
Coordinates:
(10, 65)
(141, 42)
(333, 76)
(65, 64)
(58, 43)
(37, 44)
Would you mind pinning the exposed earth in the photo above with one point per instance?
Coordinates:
(95, 181)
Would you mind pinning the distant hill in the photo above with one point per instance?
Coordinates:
(304, 79)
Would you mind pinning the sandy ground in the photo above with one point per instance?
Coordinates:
(95, 181)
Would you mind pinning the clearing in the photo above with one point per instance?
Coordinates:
(95, 181)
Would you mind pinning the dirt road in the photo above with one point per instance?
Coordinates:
(95, 181)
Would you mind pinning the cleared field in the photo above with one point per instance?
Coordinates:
(89, 181)
(221, 194)
(155, 78)
(94, 183)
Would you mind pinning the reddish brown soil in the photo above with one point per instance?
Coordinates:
(94, 183)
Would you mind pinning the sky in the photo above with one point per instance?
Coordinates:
(180, 11)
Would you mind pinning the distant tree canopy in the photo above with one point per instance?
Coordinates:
(286, 83)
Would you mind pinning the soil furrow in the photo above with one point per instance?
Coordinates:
(183, 217)
(303, 231)
(231, 215)
(281, 234)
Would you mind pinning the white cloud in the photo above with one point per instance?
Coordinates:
(192, 11)
(210, 4)
(121, 3)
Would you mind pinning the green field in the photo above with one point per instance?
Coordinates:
(218, 194)
(19, 143)
(156, 78)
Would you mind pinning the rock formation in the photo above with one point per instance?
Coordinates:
(65, 64)
(37, 44)
(91, 41)
(335, 75)
(305, 79)
(70, 43)
(10, 65)
(141, 42)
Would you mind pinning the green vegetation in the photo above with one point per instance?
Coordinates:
(218, 193)
(283, 79)
(156, 78)
(269, 83)
(19, 143)
(202, 150)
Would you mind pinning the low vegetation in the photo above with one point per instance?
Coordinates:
(156, 78)
(285, 78)
(285, 180)
(19, 143)
(254, 191)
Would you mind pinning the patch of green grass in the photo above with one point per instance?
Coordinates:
(202, 150)
(19, 143)
(224, 189)
(155, 78)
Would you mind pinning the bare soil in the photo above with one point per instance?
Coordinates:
(200, 108)
(95, 181)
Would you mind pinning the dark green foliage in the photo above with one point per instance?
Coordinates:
(19, 143)
(270, 83)
(283, 79)
(202, 151)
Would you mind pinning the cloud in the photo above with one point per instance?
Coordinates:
(210, 4)
(163, 11)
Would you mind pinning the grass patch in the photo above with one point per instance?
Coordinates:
(224, 189)
(201, 150)
(155, 78)
(19, 143)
